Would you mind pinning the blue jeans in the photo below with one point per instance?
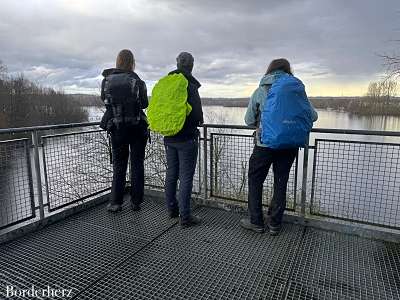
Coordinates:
(181, 164)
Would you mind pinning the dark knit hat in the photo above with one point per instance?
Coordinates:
(185, 61)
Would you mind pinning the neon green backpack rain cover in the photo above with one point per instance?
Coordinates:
(168, 107)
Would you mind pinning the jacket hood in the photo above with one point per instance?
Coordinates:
(110, 71)
(269, 79)
(189, 77)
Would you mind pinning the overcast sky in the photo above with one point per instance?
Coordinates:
(333, 45)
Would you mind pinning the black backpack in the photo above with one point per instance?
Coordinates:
(122, 100)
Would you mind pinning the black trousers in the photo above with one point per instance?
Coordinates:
(259, 164)
(129, 140)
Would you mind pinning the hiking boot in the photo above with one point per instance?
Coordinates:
(274, 230)
(173, 214)
(135, 206)
(246, 224)
(191, 221)
(114, 207)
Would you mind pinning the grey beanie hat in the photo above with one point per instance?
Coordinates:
(185, 61)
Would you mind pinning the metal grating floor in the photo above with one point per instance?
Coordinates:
(145, 255)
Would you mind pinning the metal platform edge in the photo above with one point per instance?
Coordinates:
(328, 224)
(364, 231)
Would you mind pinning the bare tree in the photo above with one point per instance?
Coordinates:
(382, 90)
(389, 90)
(374, 91)
(24, 103)
(380, 97)
(392, 64)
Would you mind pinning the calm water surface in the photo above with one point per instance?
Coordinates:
(326, 119)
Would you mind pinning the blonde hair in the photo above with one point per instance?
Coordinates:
(125, 60)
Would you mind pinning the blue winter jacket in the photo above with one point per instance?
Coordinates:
(257, 102)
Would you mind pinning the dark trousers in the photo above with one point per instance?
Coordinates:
(259, 164)
(181, 164)
(127, 140)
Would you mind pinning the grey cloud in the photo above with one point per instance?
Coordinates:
(64, 43)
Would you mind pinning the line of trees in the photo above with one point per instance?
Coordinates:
(25, 103)
(380, 99)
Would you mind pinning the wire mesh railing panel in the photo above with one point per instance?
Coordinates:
(357, 181)
(16, 188)
(156, 165)
(230, 155)
(77, 166)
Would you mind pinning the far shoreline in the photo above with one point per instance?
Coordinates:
(363, 106)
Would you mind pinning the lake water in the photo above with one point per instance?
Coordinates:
(351, 180)
(327, 118)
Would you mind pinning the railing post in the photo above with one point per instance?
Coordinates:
(304, 180)
(35, 141)
(199, 167)
(205, 158)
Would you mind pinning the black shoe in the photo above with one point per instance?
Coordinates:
(191, 221)
(274, 230)
(135, 206)
(114, 207)
(173, 213)
(246, 224)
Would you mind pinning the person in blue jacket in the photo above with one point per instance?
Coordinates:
(263, 157)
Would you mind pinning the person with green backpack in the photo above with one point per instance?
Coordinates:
(175, 111)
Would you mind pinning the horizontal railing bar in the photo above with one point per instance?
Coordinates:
(226, 126)
(13, 141)
(216, 126)
(355, 142)
(17, 222)
(51, 209)
(47, 127)
(231, 134)
(356, 132)
(71, 133)
(314, 130)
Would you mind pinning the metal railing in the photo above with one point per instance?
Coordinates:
(16, 187)
(76, 166)
(229, 158)
(350, 175)
(48, 170)
(357, 181)
(42, 173)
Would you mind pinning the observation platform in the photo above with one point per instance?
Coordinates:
(146, 255)
(341, 239)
